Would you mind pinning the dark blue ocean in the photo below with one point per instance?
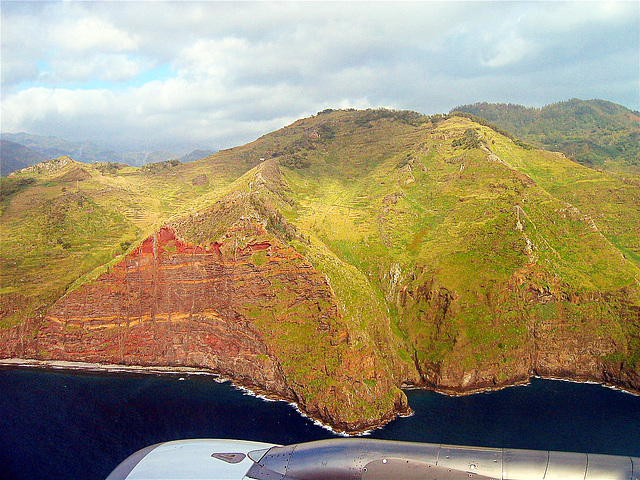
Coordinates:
(61, 425)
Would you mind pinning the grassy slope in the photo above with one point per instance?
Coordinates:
(345, 363)
(418, 213)
(611, 201)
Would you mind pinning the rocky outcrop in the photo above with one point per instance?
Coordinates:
(50, 166)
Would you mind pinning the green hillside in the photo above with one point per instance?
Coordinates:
(455, 258)
(432, 225)
(595, 133)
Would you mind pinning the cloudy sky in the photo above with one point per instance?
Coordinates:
(175, 75)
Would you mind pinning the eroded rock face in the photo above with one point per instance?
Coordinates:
(562, 334)
(173, 303)
(228, 306)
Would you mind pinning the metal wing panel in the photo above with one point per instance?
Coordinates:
(123, 470)
(270, 464)
(194, 459)
(327, 459)
(486, 462)
(524, 464)
(398, 469)
(608, 467)
(366, 459)
(566, 466)
(337, 458)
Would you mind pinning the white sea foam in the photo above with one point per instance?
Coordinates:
(251, 393)
(247, 391)
(105, 368)
(521, 384)
(318, 422)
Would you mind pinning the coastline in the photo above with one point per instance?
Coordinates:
(251, 390)
(520, 383)
(65, 365)
(116, 369)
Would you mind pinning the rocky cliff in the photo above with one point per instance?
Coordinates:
(554, 336)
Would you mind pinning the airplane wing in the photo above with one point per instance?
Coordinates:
(365, 459)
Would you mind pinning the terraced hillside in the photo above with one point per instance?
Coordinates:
(331, 263)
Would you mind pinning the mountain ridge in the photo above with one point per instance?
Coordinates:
(15, 156)
(437, 253)
(51, 147)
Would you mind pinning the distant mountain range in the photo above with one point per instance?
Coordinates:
(38, 148)
(595, 133)
(16, 156)
(332, 262)
(196, 155)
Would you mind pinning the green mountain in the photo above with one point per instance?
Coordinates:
(595, 133)
(331, 263)
(54, 147)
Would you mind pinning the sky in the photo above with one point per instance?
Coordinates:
(174, 76)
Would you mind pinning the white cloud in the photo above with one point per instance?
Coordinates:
(215, 57)
(567, 16)
(94, 34)
(240, 69)
(57, 43)
(509, 51)
(158, 114)
(41, 104)
(23, 45)
(105, 67)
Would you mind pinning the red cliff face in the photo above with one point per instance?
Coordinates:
(174, 303)
(248, 307)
